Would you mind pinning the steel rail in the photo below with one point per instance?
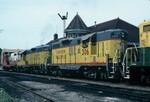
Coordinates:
(27, 89)
(108, 89)
(116, 90)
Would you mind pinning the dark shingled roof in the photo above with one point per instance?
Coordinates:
(76, 25)
(133, 31)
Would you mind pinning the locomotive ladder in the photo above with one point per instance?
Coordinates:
(125, 65)
(114, 63)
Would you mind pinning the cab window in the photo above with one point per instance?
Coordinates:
(85, 43)
(146, 28)
(93, 40)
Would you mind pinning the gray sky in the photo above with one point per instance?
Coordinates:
(28, 23)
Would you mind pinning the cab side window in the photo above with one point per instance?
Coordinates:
(85, 43)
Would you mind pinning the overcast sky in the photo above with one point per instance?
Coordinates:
(28, 23)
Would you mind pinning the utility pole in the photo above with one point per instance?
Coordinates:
(1, 52)
(64, 18)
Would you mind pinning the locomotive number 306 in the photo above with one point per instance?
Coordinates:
(85, 52)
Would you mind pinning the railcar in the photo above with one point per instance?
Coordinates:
(97, 55)
(35, 60)
(9, 60)
(138, 58)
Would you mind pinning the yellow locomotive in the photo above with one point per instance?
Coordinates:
(35, 60)
(96, 55)
(144, 34)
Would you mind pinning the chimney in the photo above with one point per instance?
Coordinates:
(55, 36)
(95, 23)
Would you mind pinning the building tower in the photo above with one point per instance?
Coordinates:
(76, 28)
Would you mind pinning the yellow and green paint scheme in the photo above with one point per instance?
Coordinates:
(138, 57)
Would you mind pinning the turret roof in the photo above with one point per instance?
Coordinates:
(77, 23)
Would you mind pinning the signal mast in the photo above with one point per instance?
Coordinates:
(64, 18)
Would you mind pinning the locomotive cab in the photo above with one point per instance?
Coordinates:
(144, 34)
(102, 53)
(114, 58)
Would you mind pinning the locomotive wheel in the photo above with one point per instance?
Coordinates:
(98, 74)
(49, 71)
(103, 76)
(81, 74)
(144, 79)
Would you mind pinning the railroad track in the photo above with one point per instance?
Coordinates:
(136, 94)
(45, 99)
(98, 87)
(127, 92)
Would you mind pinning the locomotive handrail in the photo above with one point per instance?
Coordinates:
(46, 61)
(135, 47)
(115, 57)
(123, 61)
(114, 61)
